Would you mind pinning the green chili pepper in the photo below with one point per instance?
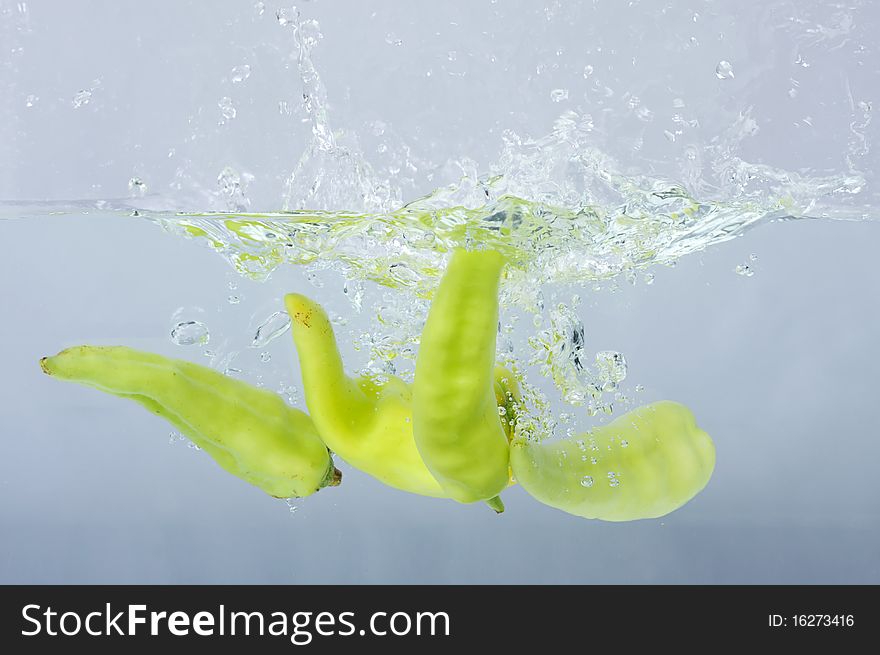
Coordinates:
(455, 412)
(365, 421)
(644, 464)
(249, 432)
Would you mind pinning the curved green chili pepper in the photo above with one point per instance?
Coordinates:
(455, 413)
(366, 422)
(644, 464)
(249, 432)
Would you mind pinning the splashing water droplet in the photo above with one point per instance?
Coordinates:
(588, 70)
(82, 98)
(31, 100)
(137, 187)
(558, 95)
(611, 367)
(273, 327)
(286, 17)
(233, 188)
(233, 300)
(189, 333)
(227, 109)
(354, 291)
(744, 270)
(240, 73)
(724, 70)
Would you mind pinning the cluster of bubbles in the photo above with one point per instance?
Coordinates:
(561, 210)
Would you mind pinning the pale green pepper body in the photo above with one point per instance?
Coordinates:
(249, 432)
(455, 410)
(368, 424)
(644, 464)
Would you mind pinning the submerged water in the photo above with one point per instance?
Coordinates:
(627, 282)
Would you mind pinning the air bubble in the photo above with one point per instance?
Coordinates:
(558, 95)
(190, 333)
(611, 366)
(273, 327)
(744, 270)
(587, 481)
(227, 108)
(82, 98)
(240, 73)
(724, 70)
(645, 114)
(137, 187)
(286, 17)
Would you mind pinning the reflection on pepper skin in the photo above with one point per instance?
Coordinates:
(249, 432)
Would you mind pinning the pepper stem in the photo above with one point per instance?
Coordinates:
(496, 504)
(333, 477)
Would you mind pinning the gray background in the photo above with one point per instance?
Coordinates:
(779, 367)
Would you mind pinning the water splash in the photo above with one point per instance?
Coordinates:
(559, 206)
